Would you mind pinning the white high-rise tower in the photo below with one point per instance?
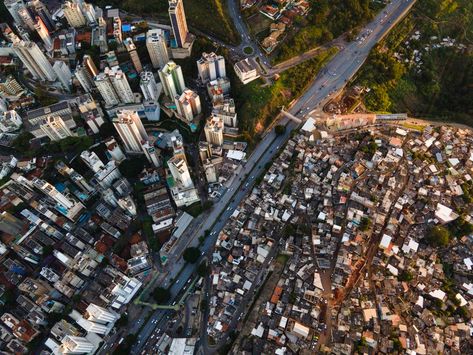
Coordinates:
(34, 60)
(131, 130)
(148, 86)
(157, 48)
(172, 79)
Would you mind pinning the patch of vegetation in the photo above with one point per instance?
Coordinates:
(125, 347)
(431, 86)
(161, 295)
(248, 50)
(365, 224)
(191, 255)
(327, 20)
(203, 269)
(43, 97)
(195, 209)
(405, 276)
(69, 145)
(438, 236)
(131, 168)
(280, 129)
(258, 105)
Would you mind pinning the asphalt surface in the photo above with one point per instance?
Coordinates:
(333, 78)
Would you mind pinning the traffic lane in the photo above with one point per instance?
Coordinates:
(188, 271)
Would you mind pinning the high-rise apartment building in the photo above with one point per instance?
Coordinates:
(114, 87)
(73, 14)
(34, 60)
(121, 85)
(151, 154)
(86, 72)
(188, 105)
(214, 131)
(63, 74)
(88, 63)
(84, 78)
(211, 67)
(226, 110)
(131, 130)
(13, 7)
(43, 33)
(114, 151)
(89, 13)
(76, 345)
(180, 172)
(100, 315)
(92, 161)
(172, 79)
(178, 22)
(26, 18)
(157, 48)
(55, 128)
(148, 86)
(135, 58)
(42, 11)
(105, 87)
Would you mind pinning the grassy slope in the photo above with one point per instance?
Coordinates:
(442, 88)
(327, 20)
(258, 105)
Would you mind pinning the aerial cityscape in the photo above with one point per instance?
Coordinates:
(236, 177)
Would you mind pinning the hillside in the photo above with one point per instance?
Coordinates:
(425, 66)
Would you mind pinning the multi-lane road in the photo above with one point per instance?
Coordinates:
(333, 78)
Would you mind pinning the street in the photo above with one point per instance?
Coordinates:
(330, 81)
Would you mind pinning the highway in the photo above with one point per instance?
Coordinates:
(333, 78)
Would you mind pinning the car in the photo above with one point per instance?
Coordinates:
(252, 176)
(177, 281)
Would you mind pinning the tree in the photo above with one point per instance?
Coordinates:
(122, 321)
(43, 97)
(47, 250)
(191, 255)
(203, 305)
(280, 129)
(405, 276)
(365, 224)
(22, 142)
(438, 236)
(203, 269)
(107, 130)
(131, 168)
(161, 295)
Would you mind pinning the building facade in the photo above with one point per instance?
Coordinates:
(172, 79)
(188, 105)
(178, 22)
(34, 60)
(211, 67)
(131, 130)
(157, 48)
(214, 131)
